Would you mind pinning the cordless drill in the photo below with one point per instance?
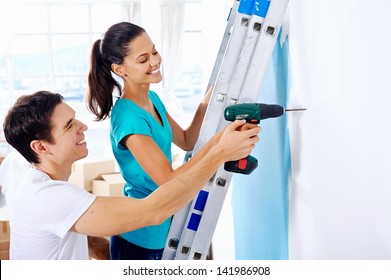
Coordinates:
(252, 113)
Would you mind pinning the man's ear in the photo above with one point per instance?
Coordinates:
(117, 69)
(38, 146)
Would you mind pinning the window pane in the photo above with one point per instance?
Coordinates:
(30, 55)
(35, 19)
(28, 85)
(104, 16)
(3, 72)
(72, 88)
(189, 86)
(95, 36)
(191, 53)
(69, 18)
(70, 54)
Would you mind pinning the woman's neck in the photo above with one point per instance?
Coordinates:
(138, 95)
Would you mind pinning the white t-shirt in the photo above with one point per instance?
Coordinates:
(12, 169)
(41, 217)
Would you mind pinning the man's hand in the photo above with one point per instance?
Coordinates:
(238, 139)
(247, 126)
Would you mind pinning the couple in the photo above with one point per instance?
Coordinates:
(53, 219)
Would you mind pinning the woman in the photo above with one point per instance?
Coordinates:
(142, 131)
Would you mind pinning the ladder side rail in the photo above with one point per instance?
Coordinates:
(217, 103)
(263, 50)
(224, 44)
(258, 14)
(178, 220)
(266, 43)
(214, 112)
(203, 236)
(217, 193)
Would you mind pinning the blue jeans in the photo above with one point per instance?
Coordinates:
(121, 249)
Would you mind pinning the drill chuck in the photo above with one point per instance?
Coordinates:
(271, 111)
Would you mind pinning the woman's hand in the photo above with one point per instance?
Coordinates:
(208, 95)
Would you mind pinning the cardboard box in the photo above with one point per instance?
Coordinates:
(4, 230)
(108, 185)
(4, 250)
(86, 170)
(4, 240)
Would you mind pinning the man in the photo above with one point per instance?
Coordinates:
(52, 218)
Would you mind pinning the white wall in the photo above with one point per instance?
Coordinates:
(341, 181)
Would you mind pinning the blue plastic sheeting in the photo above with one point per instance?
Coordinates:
(260, 200)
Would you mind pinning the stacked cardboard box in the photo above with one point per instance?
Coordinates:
(98, 176)
(4, 230)
(110, 184)
(86, 170)
(4, 240)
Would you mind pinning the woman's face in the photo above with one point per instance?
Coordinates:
(142, 64)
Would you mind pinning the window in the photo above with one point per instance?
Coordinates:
(188, 88)
(49, 50)
(52, 50)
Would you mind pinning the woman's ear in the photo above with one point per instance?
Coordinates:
(117, 69)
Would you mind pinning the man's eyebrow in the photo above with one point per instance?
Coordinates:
(68, 123)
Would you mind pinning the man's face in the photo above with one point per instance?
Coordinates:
(68, 135)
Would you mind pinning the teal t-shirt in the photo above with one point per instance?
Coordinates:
(128, 118)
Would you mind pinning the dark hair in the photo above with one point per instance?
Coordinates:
(30, 119)
(112, 48)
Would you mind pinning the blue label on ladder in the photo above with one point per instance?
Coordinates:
(260, 8)
(194, 221)
(201, 200)
(245, 6)
(199, 205)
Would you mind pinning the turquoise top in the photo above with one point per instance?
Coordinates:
(128, 118)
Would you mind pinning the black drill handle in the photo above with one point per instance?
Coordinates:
(242, 166)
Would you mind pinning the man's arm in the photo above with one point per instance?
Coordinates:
(114, 215)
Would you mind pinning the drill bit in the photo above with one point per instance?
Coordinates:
(296, 109)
